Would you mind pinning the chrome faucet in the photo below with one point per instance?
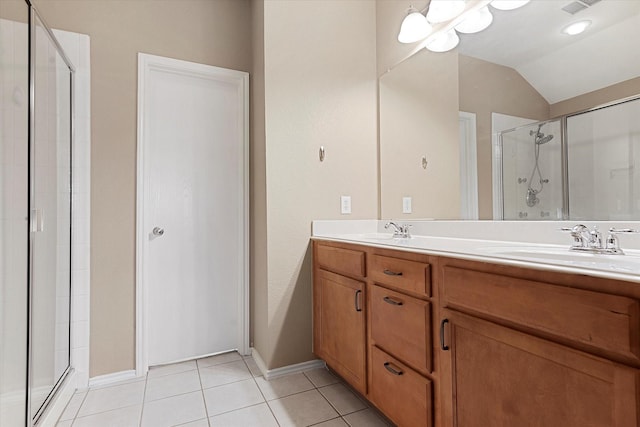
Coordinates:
(586, 240)
(400, 231)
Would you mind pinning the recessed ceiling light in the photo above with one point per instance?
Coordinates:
(576, 27)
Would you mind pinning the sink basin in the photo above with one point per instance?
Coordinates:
(372, 236)
(622, 263)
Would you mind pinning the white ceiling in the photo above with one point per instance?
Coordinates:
(560, 66)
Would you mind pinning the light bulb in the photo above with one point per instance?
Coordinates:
(475, 21)
(414, 27)
(508, 4)
(444, 10)
(444, 41)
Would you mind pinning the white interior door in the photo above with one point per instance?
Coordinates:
(193, 154)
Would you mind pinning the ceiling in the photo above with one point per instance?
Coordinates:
(557, 65)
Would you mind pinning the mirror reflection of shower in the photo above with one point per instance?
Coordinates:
(531, 169)
(539, 139)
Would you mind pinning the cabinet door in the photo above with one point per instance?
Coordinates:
(340, 326)
(501, 377)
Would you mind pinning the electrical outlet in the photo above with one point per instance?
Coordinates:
(406, 205)
(345, 205)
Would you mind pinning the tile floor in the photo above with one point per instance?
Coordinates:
(223, 390)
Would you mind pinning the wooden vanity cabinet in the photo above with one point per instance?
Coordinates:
(447, 342)
(338, 312)
(399, 303)
(521, 347)
(503, 377)
(373, 326)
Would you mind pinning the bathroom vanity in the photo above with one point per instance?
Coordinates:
(476, 337)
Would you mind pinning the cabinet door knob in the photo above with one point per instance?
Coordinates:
(442, 345)
(392, 273)
(357, 300)
(393, 369)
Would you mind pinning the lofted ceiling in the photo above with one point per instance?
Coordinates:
(557, 65)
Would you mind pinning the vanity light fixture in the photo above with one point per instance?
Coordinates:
(414, 27)
(576, 28)
(449, 16)
(444, 10)
(508, 4)
(443, 42)
(475, 21)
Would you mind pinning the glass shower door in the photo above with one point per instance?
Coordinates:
(14, 231)
(51, 220)
(532, 172)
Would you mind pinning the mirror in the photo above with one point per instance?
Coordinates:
(433, 106)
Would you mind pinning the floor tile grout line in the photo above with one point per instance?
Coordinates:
(105, 411)
(264, 397)
(204, 400)
(78, 410)
(330, 404)
(144, 395)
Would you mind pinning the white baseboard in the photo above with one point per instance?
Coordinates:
(108, 379)
(270, 374)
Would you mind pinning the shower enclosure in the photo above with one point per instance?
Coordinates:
(579, 167)
(532, 171)
(36, 81)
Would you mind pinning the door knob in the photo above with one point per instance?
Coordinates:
(157, 231)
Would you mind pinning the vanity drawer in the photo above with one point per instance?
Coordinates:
(400, 324)
(401, 393)
(400, 273)
(339, 260)
(608, 322)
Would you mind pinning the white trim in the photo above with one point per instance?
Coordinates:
(500, 122)
(146, 63)
(108, 379)
(468, 167)
(270, 374)
(60, 401)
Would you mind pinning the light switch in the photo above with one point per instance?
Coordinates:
(345, 205)
(406, 205)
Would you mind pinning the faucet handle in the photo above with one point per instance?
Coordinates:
(613, 230)
(577, 231)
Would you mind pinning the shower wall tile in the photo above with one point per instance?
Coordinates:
(80, 337)
(80, 278)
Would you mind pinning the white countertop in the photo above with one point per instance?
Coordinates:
(532, 251)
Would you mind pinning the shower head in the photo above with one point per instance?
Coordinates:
(541, 139)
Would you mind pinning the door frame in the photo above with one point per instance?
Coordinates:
(468, 166)
(146, 64)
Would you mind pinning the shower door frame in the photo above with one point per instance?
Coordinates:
(32, 416)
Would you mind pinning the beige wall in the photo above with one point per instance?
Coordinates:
(320, 89)
(485, 88)
(598, 97)
(389, 16)
(210, 32)
(419, 117)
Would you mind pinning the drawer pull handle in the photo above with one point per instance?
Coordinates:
(442, 345)
(393, 369)
(357, 300)
(392, 273)
(392, 301)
